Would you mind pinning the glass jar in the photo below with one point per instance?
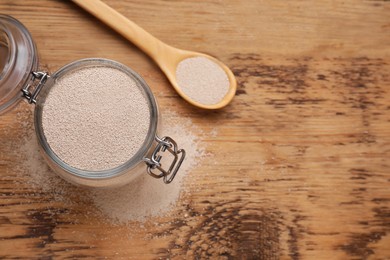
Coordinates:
(20, 78)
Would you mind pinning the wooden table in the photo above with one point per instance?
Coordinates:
(300, 166)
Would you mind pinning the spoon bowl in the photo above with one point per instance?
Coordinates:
(167, 57)
(170, 63)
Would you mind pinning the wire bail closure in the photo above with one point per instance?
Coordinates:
(155, 168)
(31, 96)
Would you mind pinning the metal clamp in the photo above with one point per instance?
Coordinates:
(165, 144)
(32, 95)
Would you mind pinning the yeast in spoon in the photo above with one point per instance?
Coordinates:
(202, 80)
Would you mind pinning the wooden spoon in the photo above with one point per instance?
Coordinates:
(166, 56)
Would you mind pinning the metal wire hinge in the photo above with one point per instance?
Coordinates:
(155, 168)
(32, 95)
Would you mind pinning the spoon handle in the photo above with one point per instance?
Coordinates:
(128, 29)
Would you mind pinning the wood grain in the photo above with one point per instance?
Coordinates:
(300, 165)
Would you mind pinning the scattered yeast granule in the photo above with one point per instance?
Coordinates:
(140, 200)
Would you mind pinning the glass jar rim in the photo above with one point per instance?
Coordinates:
(134, 160)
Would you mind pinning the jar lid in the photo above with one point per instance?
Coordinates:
(18, 58)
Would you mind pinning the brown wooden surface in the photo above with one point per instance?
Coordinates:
(300, 166)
